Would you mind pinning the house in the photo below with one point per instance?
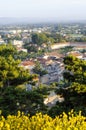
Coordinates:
(27, 39)
(44, 79)
(55, 72)
(1, 41)
(27, 64)
(21, 49)
(76, 54)
(17, 43)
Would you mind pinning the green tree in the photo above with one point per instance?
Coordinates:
(39, 38)
(39, 70)
(75, 69)
(7, 49)
(35, 38)
(13, 99)
(74, 88)
(10, 71)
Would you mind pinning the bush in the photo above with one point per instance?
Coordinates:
(43, 122)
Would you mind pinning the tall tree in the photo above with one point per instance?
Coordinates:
(75, 70)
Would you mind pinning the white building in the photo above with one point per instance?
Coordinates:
(1, 41)
(18, 43)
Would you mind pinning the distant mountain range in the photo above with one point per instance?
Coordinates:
(14, 20)
(11, 20)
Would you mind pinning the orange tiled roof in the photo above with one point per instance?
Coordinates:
(28, 63)
(75, 54)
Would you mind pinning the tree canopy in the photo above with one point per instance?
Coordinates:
(75, 69)
(10, 71)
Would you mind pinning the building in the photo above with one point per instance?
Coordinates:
(27, 64)
(18, 43)
(1, 41)
(27, 39)
(76, 54)
(55, 72)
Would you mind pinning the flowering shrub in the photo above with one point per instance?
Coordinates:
(43, 122)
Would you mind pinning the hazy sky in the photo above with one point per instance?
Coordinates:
(44, 9)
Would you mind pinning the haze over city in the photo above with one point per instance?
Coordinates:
(42, 10)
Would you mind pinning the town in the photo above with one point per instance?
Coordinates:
(42, 47)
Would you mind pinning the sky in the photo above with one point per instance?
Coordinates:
(51, 10)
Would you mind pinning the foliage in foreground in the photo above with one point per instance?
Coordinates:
(13, 99)
(43, 122)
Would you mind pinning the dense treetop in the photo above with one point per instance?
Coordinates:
(10, 71)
